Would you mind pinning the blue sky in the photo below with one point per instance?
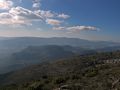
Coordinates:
(86, 19)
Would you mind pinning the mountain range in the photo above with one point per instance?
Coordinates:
(18, 52)
(21, 42)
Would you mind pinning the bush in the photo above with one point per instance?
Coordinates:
(91, 73)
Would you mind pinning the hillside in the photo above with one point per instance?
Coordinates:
(38, 54)
(48, 52)
(13, 47)
(89, 72)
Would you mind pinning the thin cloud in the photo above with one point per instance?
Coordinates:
(82, 28)
(36, 4)
(77, 28)
(53, 22)
(45, 14)
(18, 15)
(22, 16)
(6, 4)
(59, 28)
(64, 16)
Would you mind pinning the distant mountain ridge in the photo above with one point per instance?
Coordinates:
(22, 42)
(16, 51)
(10, 45)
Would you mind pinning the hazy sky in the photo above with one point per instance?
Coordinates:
(86, 19)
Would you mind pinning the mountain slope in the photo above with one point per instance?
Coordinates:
(33, 55)
(38, 54)
(42, 53)
(83, 72)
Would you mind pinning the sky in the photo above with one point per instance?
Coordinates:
(85, 19)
